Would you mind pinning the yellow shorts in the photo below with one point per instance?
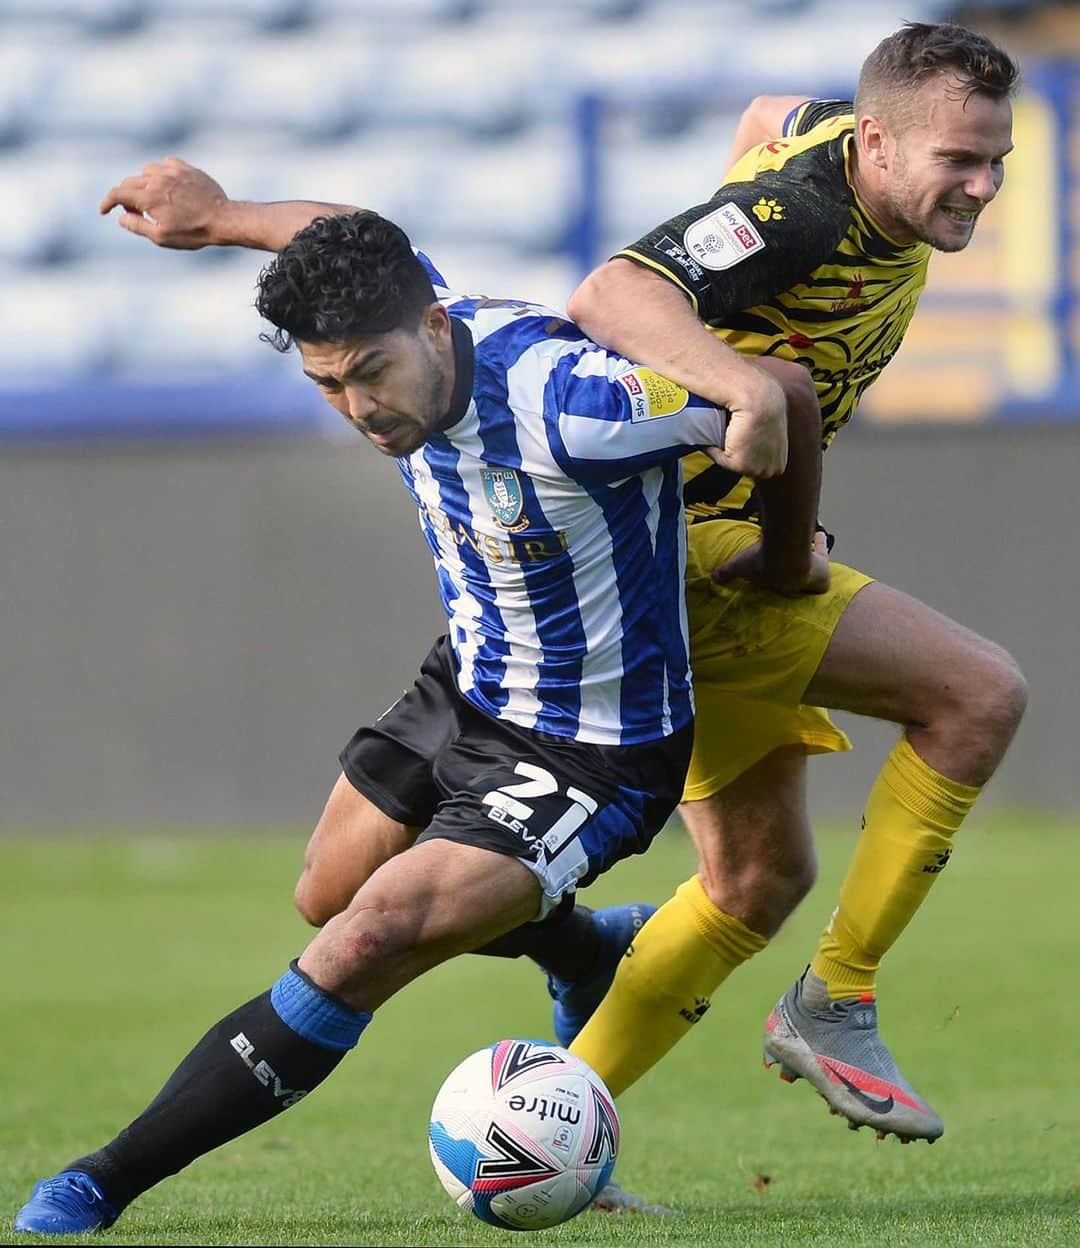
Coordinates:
(753, 654)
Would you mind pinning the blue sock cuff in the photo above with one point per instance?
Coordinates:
(315, 1015)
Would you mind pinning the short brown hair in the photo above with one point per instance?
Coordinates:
(905, 60)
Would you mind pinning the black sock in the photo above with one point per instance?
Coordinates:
(244, 1071)
(565, 944)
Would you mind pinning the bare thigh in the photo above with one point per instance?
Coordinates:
(352, 839)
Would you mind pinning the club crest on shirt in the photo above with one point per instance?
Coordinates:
(505, 497)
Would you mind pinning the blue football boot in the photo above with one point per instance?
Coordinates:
(575, 1000)
(69, 1203)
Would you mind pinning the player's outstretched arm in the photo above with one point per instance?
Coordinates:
(762, 119)
(646, 318)
(175, 205)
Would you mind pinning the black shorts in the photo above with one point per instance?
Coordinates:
(567, 809)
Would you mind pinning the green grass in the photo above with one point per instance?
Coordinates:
(120, 952)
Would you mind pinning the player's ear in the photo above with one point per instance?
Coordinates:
(873, 141)
(435, 320)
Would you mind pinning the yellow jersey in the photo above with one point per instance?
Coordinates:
(785, 260)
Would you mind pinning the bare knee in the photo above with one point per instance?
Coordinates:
(312, 900)
(364, 938)
(988, 699)
(1006, 695)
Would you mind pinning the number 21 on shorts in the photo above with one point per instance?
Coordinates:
(509, 805)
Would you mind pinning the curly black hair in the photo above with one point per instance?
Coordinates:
(919, 51)
(342, 277)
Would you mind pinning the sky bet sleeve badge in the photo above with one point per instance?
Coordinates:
(651, 395)
(723, 238)
(505, 497)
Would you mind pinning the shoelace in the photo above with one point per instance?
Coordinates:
(70, 1194)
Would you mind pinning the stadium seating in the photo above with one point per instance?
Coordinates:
(459, 118)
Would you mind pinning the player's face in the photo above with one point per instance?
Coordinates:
(946, 166)
(393, 387)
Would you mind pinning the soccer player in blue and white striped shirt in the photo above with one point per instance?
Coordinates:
(547, 735)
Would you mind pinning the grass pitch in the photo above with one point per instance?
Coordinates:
(120, 952)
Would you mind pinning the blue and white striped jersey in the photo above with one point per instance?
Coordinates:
(551, 501)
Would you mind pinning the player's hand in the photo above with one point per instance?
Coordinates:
(173, 204)
(751, 565)
(755, 442)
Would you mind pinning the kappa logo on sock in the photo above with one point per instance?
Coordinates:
(265, 1073)
(701, 1008)
(940, 863)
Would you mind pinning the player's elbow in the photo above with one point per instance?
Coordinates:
(755, 111)
(588, 302)
(795, 381)
(800, 396)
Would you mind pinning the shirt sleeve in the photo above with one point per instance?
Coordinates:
(749, 242)
(607, 419)
(804, 117)
(433, 273)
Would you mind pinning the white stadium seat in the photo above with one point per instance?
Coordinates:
(504, 273)
(42, 196)
(198, 323)
(303, 85)
(519, 190)
(140, 87)
(104, 14)
(258, 12)
(634, 198)
(57, 326)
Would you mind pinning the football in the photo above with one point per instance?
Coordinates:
(523, 1134)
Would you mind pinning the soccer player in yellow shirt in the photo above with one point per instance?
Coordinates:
(815, 250)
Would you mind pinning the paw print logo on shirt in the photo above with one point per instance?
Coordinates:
(768, 210)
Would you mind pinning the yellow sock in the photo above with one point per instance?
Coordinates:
(662, 987)
(911, 817)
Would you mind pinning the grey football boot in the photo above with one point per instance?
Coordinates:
(835, 1046)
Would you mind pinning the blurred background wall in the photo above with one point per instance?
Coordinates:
(205, 586)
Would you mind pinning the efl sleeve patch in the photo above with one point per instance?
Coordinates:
(652, 395)
(723, 238)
